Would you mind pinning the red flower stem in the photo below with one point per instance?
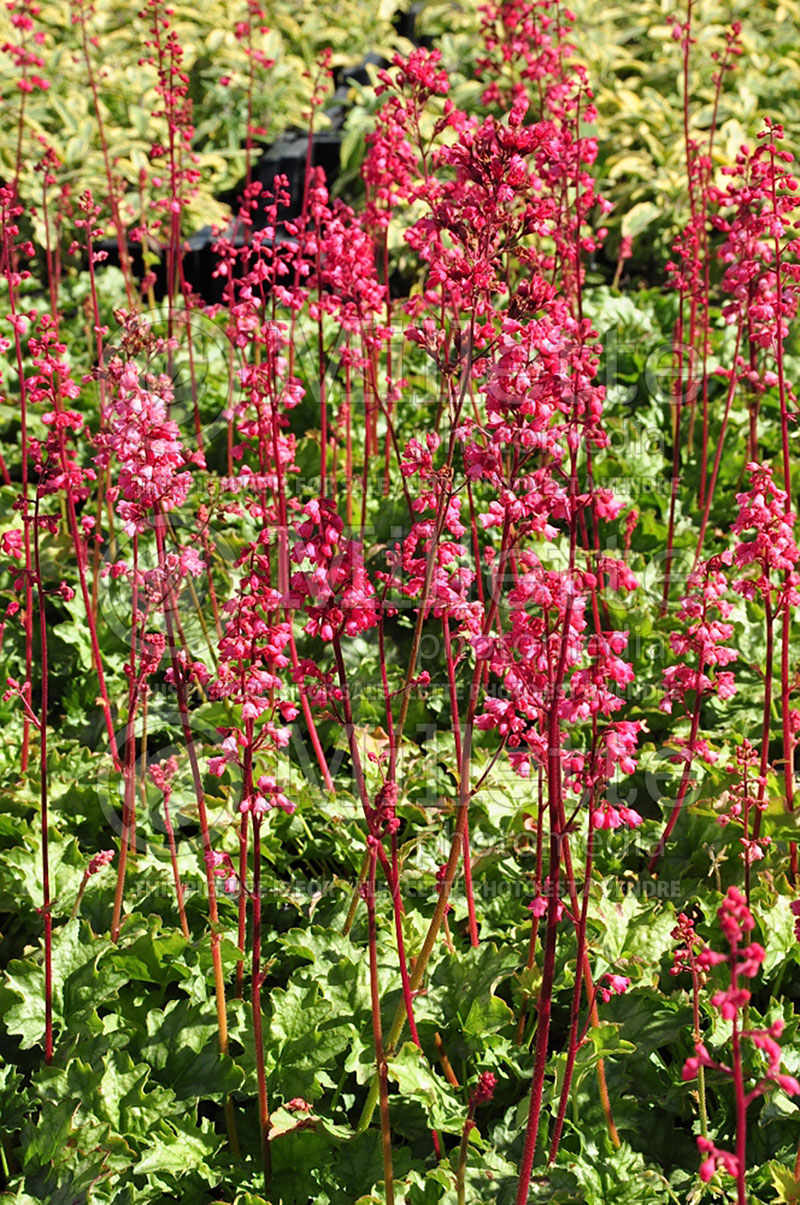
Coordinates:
(741, 1101)
(551, 934)
(88, 604)
(52, 280)
(248, 142)
(415, 641)
(20, 129)
(786, 625)
(46, 902)
(143, 751)
(247, 793)
(686, 100)
(441, 515)
(456, 724)
(122, 242)
(691, 164)
(390, 870)
(707, 279)
(348, 454)
(129, 779)
(701, 1071)
(391, 431)
(537, 891)
(377, 1033)
(308, 714)
(476, 548)
(572, 1048)
(89, 612)
(323, 399)
(394, 878)
(766, 720)
(186, 319)
(176, 874)
(685, 778)
(258, 1035)
(786, 716)
(79, 897)
(283, 586)
(241, 934)
(676, 453)
(718, 453)
(594, 1018)
(446, 885)
(8, 256)
(213, 912)
(366, 460)
(384, 240)
(463, 1151)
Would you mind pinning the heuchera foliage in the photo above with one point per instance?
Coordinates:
(258, 580)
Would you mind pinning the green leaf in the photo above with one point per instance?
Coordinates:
(639, 217)
(183, 1046)
(178, 1146)
(416, 1080)
(787, 1189)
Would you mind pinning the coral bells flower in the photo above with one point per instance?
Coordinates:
(759, 208)
(715, 1158)
(162, 774)
(685, 957)
(333, 587)
(703, 612)
(614, 985)
(483, 1091)
(151, 653)
(265, 798)
(735, 917)
(767, 523)
(736, 921)
(538, 905)
(99, 861)
(611, 818)
(11, 543)
(252, 657)
(141, 438)
(745, 796)
(220, 865)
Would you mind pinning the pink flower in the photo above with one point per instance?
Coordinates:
(11, 543)
(483, 1091)
(99, 861)
(615, 985)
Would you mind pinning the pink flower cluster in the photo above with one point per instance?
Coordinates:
(613, 985)
(143, 441)
(704, 612)
(761, 206)
(99, 861)
(765, 525)
(737, 922)
(333, 587)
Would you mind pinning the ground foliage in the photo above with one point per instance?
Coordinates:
(165, 462)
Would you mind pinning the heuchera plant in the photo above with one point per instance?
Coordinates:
(743, 962)
(354, 496)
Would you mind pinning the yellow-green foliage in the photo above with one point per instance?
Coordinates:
(636, 72)
(635, 68)
(64, 115)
